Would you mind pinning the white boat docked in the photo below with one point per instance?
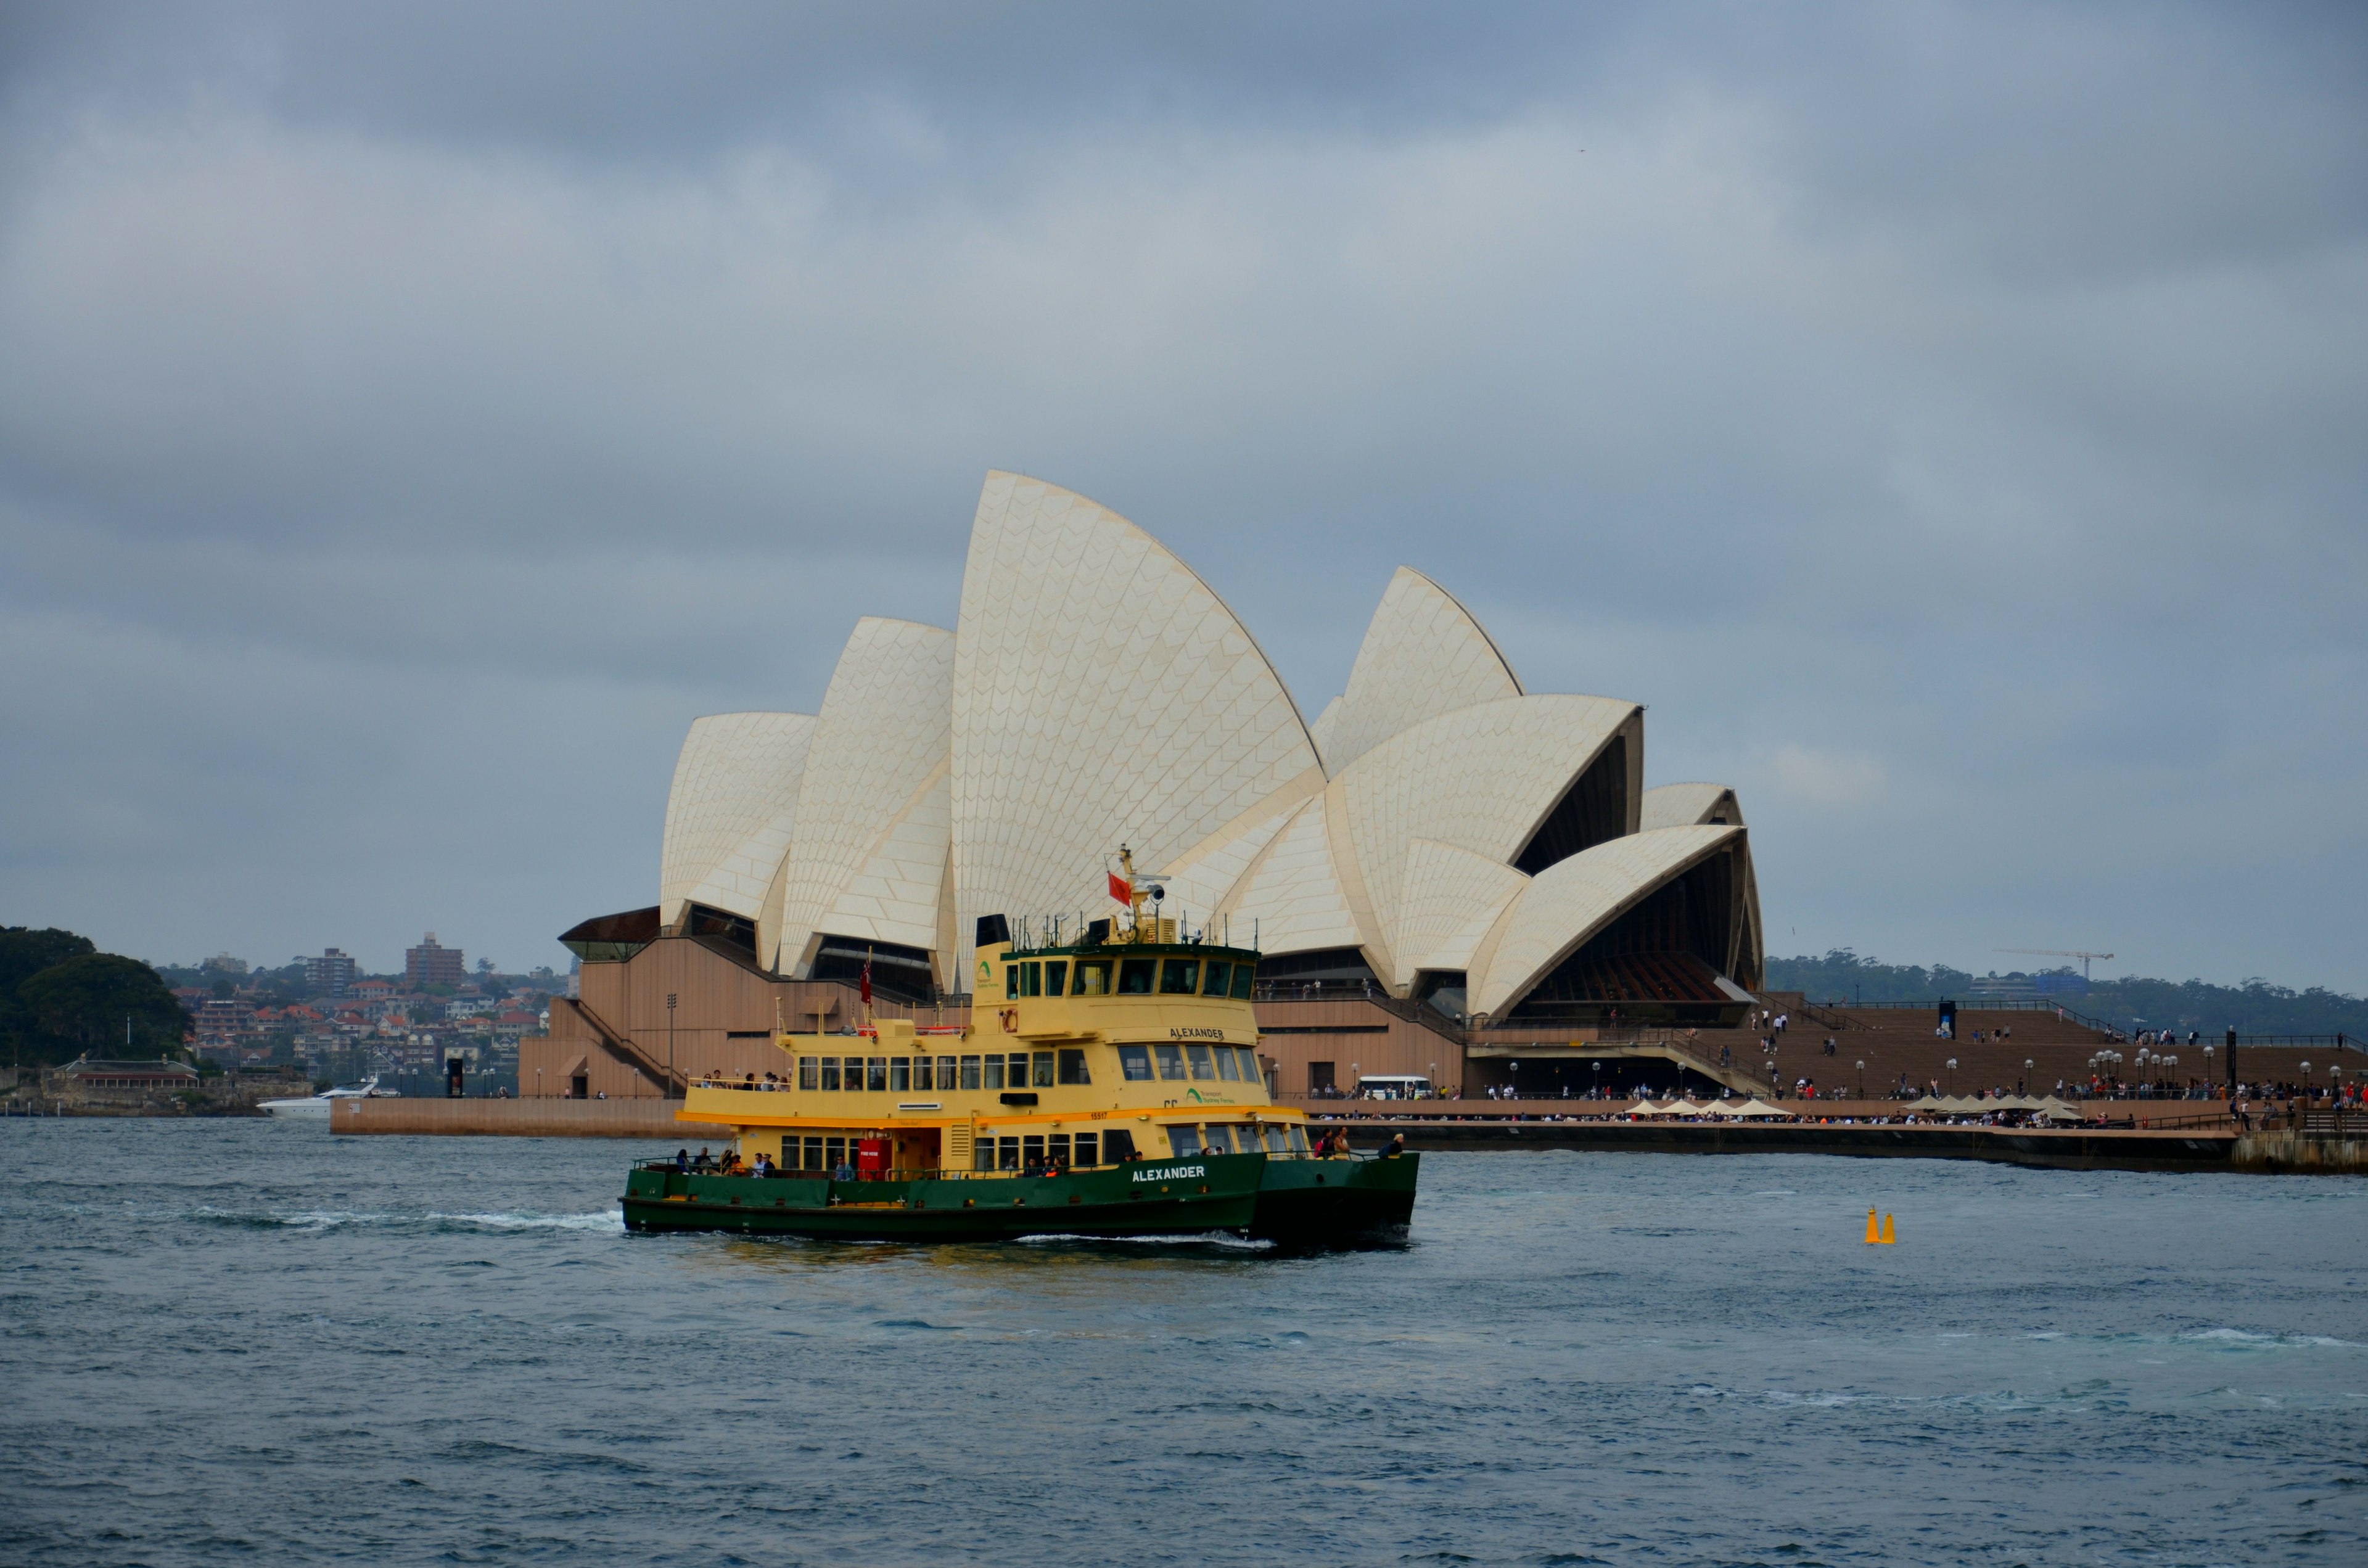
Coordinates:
(318, 1104)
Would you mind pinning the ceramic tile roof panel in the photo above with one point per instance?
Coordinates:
(731, 810)
(1448, 897)
(1683, 806)
(1480, 779)
(1571, 900)
(1292, 901)
(1202, 879)
(1320, 731)
(1103, 694)
(1423, 655)
(884, 732)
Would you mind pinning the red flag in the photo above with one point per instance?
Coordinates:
(1120, 889)
(864, 984)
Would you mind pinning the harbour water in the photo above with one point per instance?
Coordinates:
(251, 1342)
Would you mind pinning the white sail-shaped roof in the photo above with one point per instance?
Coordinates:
(1481, 779)
(1571, 900)
(1448, 897)
(1684, 805)
(1320, 731)
(1103, 694)
(873, 812)
(1291, 900)
(1423, 655)
(731, 810)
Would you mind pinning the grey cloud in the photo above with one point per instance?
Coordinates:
(1946, 419)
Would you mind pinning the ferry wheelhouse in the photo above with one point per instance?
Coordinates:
(1108, 1085)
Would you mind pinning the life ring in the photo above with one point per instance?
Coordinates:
(1010, 1016)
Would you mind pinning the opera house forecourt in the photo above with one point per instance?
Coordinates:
(1443, 873)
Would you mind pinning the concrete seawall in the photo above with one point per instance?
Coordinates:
(519, 1118)
(2073, 1149)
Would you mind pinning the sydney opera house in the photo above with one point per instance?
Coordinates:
(1443, 873)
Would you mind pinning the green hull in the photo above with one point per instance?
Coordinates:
(1217, 1192)
(1335, 1202)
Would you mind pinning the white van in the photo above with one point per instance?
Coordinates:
(1395, 1087)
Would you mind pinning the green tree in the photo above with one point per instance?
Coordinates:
(80, 1006)
(25, 952)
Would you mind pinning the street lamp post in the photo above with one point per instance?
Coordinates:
(1952, 1077)
(1861, 1078)
(670, 999)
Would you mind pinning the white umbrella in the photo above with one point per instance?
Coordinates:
(1756, 1110)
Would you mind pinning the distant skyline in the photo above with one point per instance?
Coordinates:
(1947, 419)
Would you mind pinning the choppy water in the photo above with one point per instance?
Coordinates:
(251, 1343)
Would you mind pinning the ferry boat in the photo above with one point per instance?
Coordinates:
(1106, 1087)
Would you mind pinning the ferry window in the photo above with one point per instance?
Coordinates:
(1073, 1068)
(1134, 976)
(1134, 1064)
(1087, 1154)
(969, 1071)
(875, 1075)
(1182, 978)
(1056, 978)
(994, 1071)
(1220, 1140)
(1251, 1073)
(1298, 1139)
(814, 1155)
(830, 1073)
(1221, 975)
(981, 1155)
(1229, 1066)
(1274, 1143)
(1118, 1146)
(1018, 1075)
(1184, 1140)
(834, 1154)
(1010, 981)
(1244, 976)
(1032, 980)
(900, 1073)
(1039, 1069)
(1056, 1149)
(809, 1076)
(1203, 1067)
(1031, 1152)
(1172, 1062)
(945, 1074)
(1093, 978)
(923, 1079)
(1007, 1154)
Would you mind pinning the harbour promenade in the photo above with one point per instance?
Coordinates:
(2170, 1135)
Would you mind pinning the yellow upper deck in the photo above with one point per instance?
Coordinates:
(1094, 1030)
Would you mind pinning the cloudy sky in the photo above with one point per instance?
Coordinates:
(1949, 421)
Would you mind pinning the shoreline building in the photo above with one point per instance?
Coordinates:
(1441, 868)
(432, 963)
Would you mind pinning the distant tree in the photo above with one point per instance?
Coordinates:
(80, 1007)
(2250, 1006)
(25, 952)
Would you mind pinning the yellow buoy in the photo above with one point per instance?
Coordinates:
(1888, 1239)
(1872, 1238)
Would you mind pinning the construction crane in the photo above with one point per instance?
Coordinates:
(2057, 953)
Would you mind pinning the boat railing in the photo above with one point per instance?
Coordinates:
(934, 1173)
